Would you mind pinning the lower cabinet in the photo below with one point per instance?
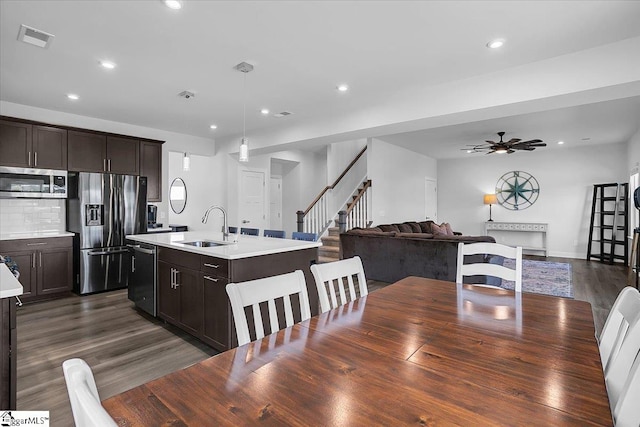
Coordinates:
(45, 265)
(8, 354)
(192, 291)
(180, 296)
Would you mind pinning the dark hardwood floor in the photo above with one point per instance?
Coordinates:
(126, 348)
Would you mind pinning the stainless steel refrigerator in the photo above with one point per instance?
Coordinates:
(102, 209)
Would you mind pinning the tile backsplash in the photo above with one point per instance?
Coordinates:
(29, 215)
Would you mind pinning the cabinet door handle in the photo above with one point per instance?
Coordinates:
(40, 258)
(104, 165)
(35, 158)
(173, 280)
(178, 274)
(37, 244)
(33, 260)
(29, 159)
(210, 278)
(109, 165)
(211, 265)
(133, 264)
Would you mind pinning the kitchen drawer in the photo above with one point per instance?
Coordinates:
(216, 267)
(35, 244)
(181, 258)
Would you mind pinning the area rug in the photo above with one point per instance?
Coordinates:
(543, 277)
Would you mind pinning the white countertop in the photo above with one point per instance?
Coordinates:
(247, 246)
(9, 285)
(34, 235)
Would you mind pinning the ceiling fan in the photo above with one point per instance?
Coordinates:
(508, 147)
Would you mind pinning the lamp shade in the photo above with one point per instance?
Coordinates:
(490, 199)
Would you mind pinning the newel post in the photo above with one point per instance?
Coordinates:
(300, 221)
(342, 221)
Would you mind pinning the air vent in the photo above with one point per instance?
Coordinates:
(283, 114)
(35, 37)
(186, 94)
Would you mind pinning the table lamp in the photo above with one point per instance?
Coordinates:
(490, 199)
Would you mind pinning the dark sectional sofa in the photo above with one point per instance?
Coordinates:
(391, 252)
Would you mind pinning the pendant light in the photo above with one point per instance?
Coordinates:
(245, 68)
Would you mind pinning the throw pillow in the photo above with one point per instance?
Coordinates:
(447, 227)
(438, 229)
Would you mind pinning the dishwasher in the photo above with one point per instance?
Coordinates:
(142, 276)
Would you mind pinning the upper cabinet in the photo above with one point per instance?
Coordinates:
(49, 147)
(95, 152)
(123, 155)
(28, 144)
(32, 146)
(151, 167)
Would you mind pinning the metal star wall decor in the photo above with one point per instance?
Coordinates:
(517, 190)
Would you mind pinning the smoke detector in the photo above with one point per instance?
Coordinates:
(186, 94)
(283, 114)
(245, 67)
(35, 37)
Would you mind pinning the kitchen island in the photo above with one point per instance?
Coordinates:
(10, 289)
(191, 280)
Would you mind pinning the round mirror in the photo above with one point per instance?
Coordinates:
(178, 195)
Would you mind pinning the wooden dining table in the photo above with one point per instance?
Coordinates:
(417, 352)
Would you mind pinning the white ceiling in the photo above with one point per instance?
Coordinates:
(301, 51)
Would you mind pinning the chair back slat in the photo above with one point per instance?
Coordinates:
(626, 413)
(624, 312)
(486, 268)
(269, 289)
(620, 365)
(330, 281)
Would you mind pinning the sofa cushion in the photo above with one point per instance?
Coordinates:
(404, 228)
(438, 230)
(371, 232)
(415, 235)
(415, 227)
(425, 226)
(447, 227)
(388, 227)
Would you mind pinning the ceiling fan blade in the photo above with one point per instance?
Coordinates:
(490, 142)
(513, 140)
(532, 141)
(510, 151)
(538, 144)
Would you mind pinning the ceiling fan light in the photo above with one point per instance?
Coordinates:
(501, 150)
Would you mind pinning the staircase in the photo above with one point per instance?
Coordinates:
(354, 215)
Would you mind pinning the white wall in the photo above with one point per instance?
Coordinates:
(201, 192)
(566, 181)
(633, 152)
(398, 182)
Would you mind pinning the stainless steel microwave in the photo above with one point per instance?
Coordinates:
(32, 183)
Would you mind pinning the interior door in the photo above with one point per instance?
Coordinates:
(275, 203)
(252, 189)
(431, 199)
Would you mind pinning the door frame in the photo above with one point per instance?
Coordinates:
(427, 180)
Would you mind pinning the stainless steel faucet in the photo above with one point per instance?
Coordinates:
(225, 229)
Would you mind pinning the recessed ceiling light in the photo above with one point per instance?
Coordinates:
(586, 139)
(73, 96)
(560, 142)
(213, 127)
(264, 111)
(342, 88)
(173, 4)
(108, 65)
(494, 44)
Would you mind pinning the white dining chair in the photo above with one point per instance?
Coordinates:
(624, 313)
(489, 269)
(254, 292)
(626, 412)
(83, 395)
(332, 275)
(621, 364)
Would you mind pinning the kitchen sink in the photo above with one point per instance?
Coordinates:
(203, 243)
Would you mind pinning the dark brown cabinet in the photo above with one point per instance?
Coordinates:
(180, 290)
(8, 354)
(217, 323)
(87, 151)
(45, 265)
(49, 147)
(151, 167)
(34, 146)
(123, 155)
(96, 152)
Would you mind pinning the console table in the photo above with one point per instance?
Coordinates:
(527, 227)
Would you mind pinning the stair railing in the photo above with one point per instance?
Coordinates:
(357, 213)
(317, 218)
